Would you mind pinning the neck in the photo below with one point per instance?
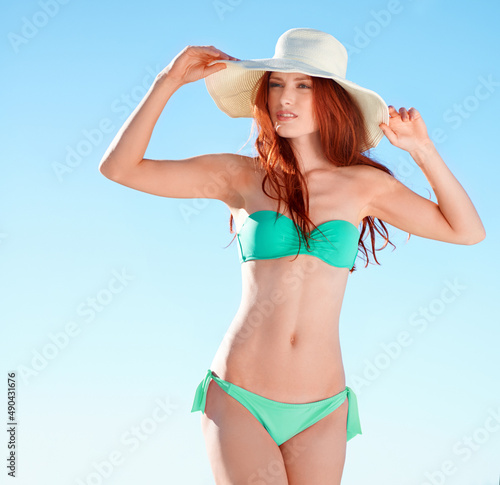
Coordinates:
(309, 154)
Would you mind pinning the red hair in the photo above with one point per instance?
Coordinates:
(343, 134)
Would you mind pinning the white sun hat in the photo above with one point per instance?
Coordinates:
(304, 50)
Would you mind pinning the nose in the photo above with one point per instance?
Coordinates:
(287, 95)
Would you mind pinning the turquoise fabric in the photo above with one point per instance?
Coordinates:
(283, 420)
(262, 236)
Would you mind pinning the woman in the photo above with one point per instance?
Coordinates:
(275, 406)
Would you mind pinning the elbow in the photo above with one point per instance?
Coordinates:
(114, 169)
(476, 238)
(106, 169)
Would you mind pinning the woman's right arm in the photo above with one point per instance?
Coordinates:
(214, 176)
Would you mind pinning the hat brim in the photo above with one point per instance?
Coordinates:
(237, 102)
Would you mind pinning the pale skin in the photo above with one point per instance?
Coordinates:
(287, 348)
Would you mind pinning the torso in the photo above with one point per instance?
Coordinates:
(283, 342)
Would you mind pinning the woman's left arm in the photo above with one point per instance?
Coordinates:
(454, 219)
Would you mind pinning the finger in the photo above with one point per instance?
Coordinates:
(215, 68)
(223, 55)
(388, 132)
(392, 111)
(212, 51)
(414, 114)
(404, 114)
(227, 56)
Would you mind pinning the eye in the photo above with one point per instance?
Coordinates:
(271, 85)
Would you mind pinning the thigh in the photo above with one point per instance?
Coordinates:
(317, 454)
(239, 448)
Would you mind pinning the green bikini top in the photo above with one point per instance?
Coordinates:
(264, 237)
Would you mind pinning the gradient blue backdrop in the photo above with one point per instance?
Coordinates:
(114, 302)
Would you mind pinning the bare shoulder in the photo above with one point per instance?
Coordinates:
(234, 172)
(380, 188)
(367, 182)
(371, 179)
(359, 178)
(368, 173)
(245, 169)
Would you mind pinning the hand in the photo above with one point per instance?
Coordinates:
(192, 62)
(406, 129)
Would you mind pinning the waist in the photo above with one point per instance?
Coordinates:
(265, 358)
(286, 379)
(290, 330)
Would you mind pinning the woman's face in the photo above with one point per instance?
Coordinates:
(291, 91)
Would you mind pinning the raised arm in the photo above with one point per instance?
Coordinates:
(214, 176)
(453, 219)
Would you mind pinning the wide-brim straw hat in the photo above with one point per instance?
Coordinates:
(304, 50)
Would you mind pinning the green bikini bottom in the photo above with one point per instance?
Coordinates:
(283, 420)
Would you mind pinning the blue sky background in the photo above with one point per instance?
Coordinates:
(88, 376)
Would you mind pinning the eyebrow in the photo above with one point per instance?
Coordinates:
(300, 78)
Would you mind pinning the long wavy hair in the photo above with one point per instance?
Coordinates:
(343, 134)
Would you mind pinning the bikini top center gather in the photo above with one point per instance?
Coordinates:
(262, 236)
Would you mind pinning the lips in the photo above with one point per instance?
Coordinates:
(284, 118)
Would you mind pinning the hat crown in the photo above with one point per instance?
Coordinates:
(313, 47)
